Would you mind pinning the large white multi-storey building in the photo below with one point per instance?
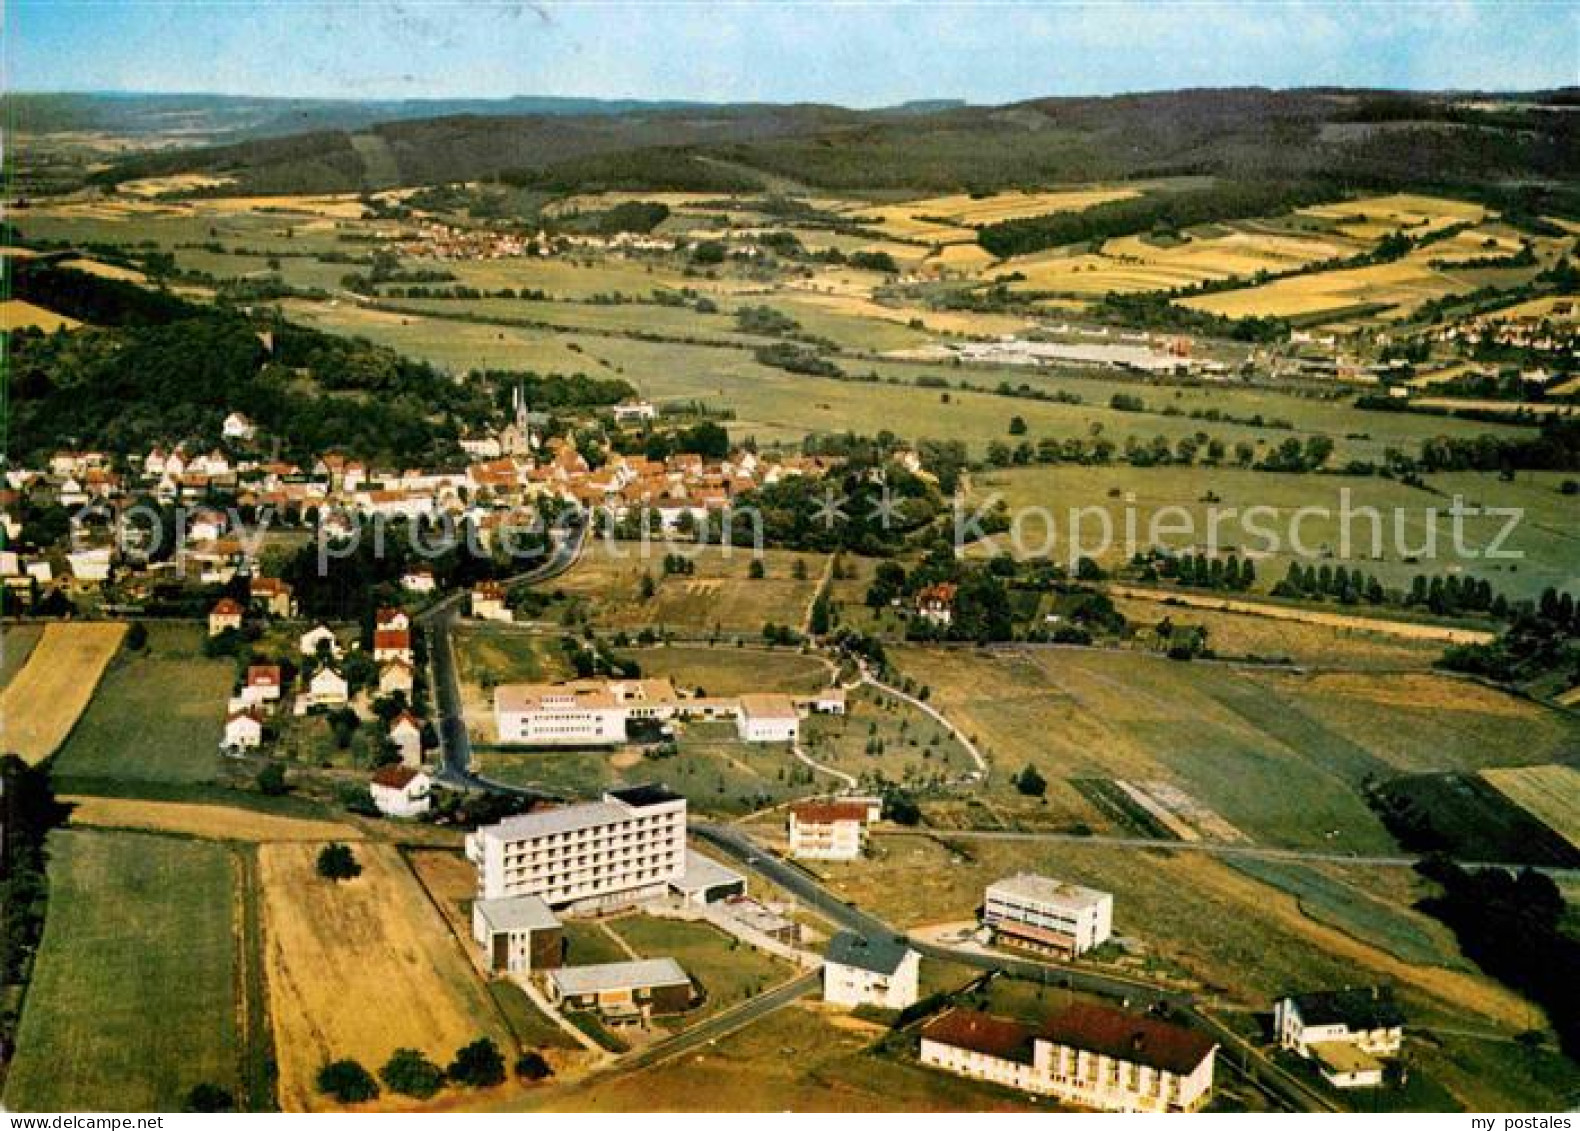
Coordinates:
(1047, 915)
(1089, 1055)
(626, 847)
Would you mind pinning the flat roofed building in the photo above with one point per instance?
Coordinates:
(518, 934)
(706, 881)
(882, 971)
(1346, 1031)
(831, 829)
(768, 718)
(1048, 916)
(629, 846)
(624, 991)
(584, 712)
(1090, 1055)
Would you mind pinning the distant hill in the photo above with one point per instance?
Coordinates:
(1365, 138)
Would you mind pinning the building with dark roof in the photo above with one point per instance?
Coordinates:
(880, 970)
(1347, 1032)
(1087, 1055)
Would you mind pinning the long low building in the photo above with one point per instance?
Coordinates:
(1048, 916)
(1087, 1055)
(594, 712)
(1347, 1032)
(624, 991)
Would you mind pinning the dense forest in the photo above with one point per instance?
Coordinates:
(160, 370)
(1239, 135)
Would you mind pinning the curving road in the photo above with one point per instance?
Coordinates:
(438, 620)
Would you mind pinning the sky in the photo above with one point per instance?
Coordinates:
(870, 53)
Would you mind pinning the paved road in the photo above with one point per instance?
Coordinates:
(439, 620)
(1218, 848)
(711, 1029)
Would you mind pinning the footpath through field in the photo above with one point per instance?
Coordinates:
(1407, 630)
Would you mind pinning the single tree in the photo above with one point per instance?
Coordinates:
(271, 780)
(531, 1066)
(337, 862)
(210, 1097)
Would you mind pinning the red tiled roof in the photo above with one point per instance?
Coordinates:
(263, 675)
(391, 638)
(226, 607)
(395, 777)
(1129, 1036)
(981, 1032)
(827, 812)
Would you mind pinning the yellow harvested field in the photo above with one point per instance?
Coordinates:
(180, 182)
(946, 321)
(359, 969)
(1408, 630)
(105, 270)
(18, 315)
(1097, 275)
(1561, 309)
(953, 219)
(211, 822)
(1377, 216)
(40, 706)
(1550, 793)
(1401, 286)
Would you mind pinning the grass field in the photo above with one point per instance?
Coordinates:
(1350, 907)
(1551, 794)
(1239, 937)
(727, 670)
(1240, 636)
(207, 822)
(1279, 755)
(719, 596)
(727, 972)
(802, 1059)
(39, 707)
(361, 968)
(715, 771)
(1175, 506)
(134, 998)
(1466, 816)
(157, 715)
(17, 642)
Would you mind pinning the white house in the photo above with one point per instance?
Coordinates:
(309, 641)
(243, 731)
(392, 644)
(396, 676)
(90, 564)
(327, 688)
(488, 602)
(406, 733)
(262, 685)
(418, 580)
(879, 971)
(224, 616)
(1348, 1032)
(768, 718)
(237, 427)
(634, 410)
(831, 829)
(401, 791)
